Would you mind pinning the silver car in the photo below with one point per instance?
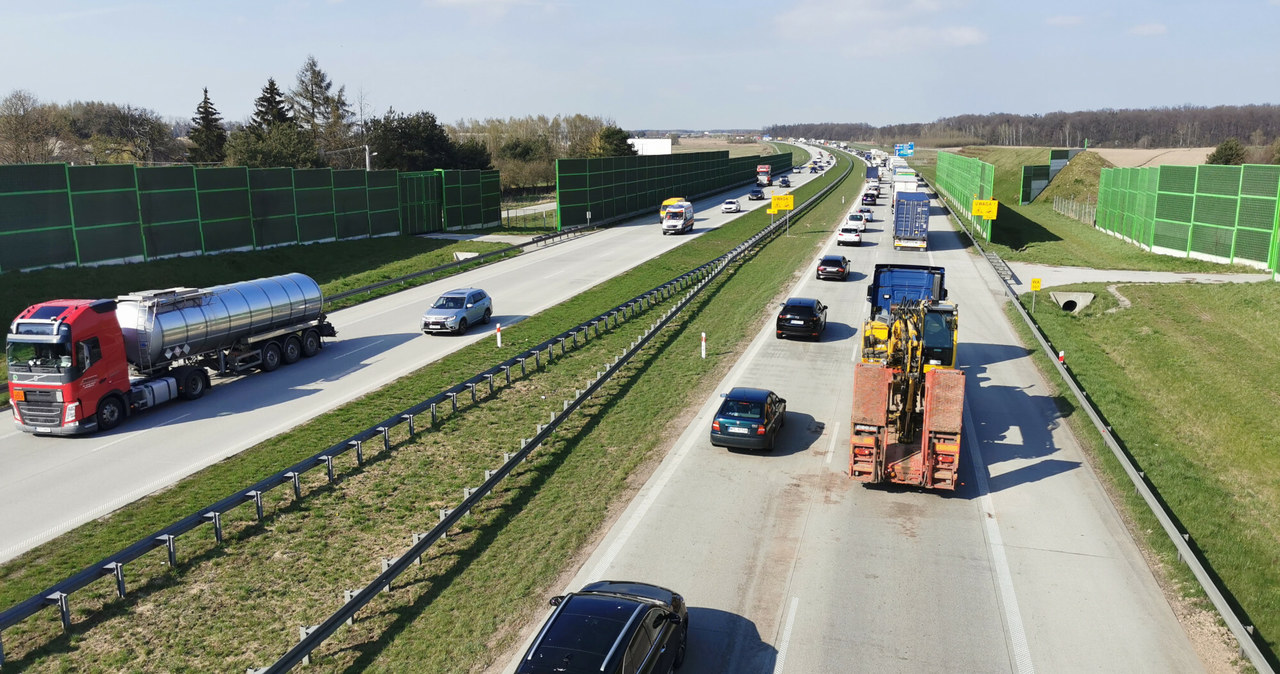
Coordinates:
(457, 310)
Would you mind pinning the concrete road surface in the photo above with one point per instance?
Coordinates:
(789, 566)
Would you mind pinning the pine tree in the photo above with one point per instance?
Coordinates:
(311, 99)
(269, 108)
(1229, 151)
(208, 135)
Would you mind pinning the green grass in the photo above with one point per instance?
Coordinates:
(1185, 378)
(1036, 234)
(238, 606)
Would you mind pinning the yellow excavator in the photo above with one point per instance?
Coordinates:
(908, 396)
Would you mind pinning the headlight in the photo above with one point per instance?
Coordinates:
(70, 415)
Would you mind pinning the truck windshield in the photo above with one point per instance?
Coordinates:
(938, 342)
(23, 356)
(675, 214)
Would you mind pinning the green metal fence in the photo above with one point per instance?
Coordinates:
(613, 188)
(1219, 213)
(963, 179)
(60, 215)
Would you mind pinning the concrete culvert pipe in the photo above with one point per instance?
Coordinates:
(1072, 302)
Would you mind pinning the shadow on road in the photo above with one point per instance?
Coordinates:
(725, 643)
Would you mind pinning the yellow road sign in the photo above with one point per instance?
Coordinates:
(771, 211)
(1035, 284)
(985, 208)
(783, 202)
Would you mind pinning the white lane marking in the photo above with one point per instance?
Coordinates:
(361, 348)
(1020, 651)
(831, 451)
(130, 436)
(654, 488)
(786, 636)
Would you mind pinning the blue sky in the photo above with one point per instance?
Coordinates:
(657, 63)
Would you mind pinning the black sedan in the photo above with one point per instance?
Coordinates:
(833, 266)
(802, 317)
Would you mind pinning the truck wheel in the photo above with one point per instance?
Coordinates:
(310, 343)
(110, 413)
(292, 350)
(192, 384)
(270, 357)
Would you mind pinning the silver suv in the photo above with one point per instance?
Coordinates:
(457, 310)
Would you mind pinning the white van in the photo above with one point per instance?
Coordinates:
(677, 218)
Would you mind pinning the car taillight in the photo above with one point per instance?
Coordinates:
(70, 415)
(760, 429)
(715, 425)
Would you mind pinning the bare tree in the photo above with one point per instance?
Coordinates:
(30, 132)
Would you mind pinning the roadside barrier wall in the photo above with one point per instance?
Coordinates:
(60, 215)
(1218, 213)
(615, 188)
(963, 179)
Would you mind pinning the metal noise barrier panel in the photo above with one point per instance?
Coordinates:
(1219, 213)
(59, 593)
(1181, 540)
(963, 179)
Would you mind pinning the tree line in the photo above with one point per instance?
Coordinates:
(313, 124)
(1255, 126)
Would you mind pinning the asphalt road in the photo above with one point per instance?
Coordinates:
(51, 485)
(789, 566)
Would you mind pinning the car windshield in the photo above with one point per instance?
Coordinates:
(675, 214)
(799, 310)
(856, 217)
(731, 203)
(741, 409)
(832, 262)
(848, 230)
(448, 302)
(25, 355)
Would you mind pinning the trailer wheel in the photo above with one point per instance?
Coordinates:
(270, 357)
(292, 350)
(192, 384)
(110, 413)
(310, 343)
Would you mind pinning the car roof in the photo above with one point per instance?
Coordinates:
(748, 394)
(458, 291)
(801, 302)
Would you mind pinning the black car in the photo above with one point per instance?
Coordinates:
(616, 627)
(869, 199)
(802, 316)
(756, 194)
(833, 266)
(749, 418)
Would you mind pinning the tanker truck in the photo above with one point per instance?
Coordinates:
(78, 366)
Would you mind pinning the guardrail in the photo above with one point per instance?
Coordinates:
(113, 565)
(1243, 633)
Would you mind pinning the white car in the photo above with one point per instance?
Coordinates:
(857, 221)
(866, 213)
(848, 234)
(731, 206)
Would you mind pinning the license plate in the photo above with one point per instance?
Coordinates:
(739, 429)
(797, 322)
(43, 430)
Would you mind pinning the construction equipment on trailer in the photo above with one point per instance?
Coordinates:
(908, 398)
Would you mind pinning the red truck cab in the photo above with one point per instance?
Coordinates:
(65, 357)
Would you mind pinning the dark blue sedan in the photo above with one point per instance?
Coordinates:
(748, 418)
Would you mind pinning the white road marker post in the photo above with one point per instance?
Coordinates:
(704, 346)
(499, 332)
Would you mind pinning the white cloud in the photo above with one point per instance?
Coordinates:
(910, 18)
(1149, 29)
(1065, 21)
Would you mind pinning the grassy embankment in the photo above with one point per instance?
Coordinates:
(1035, 233)
(238, 606)
(1184, 377)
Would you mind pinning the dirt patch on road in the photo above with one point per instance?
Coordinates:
(1177, 156)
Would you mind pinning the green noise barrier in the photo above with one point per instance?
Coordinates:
(59, 215)
(615, 188)
(1219, 213)
(963, 179)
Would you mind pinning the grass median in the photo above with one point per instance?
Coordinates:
(1183, 376)
(238, 606)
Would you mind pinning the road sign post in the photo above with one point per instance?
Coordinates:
(1035, 287)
